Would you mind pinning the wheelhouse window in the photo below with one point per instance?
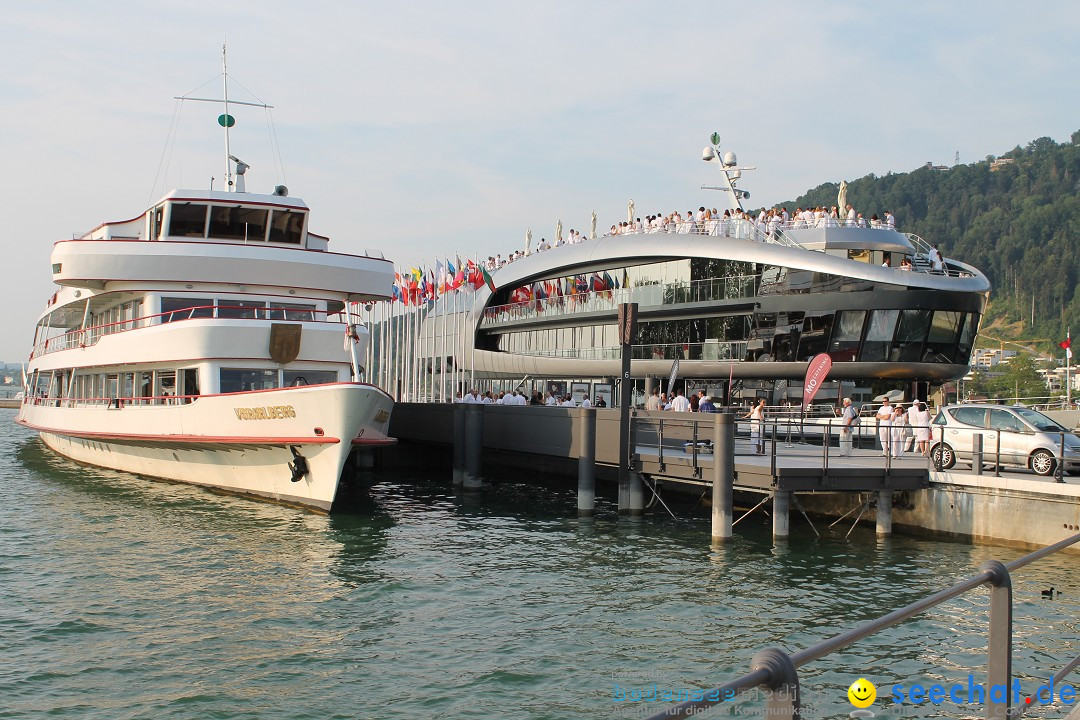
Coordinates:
(910, 335)
(238, 223)
(846, 334)
(241, 309)
(242, 380)
(286, 227)
(967, 339)
(299, 378)
(289, 311)
(174, 308)
(879, 335)
(941, 342)
(187, 220)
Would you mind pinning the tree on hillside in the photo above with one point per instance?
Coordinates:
(1020, 380)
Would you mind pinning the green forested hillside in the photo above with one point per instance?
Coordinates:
(1018, 223)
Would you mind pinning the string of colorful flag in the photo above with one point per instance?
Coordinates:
(415, 286)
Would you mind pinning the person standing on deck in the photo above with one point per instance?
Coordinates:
(847, 427)
(884, 418)
(757, 423)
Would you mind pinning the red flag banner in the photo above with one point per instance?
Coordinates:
(815, 376)
(1066, 344)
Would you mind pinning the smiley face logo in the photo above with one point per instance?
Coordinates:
(862, 693)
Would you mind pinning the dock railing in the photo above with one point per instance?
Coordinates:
(777, 671)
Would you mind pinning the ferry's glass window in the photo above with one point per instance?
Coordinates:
(846, 333)
(817, 326)
(189, 383)
(180, 308)
(910, 334)
(240, 380)
(155, 222)
(112, 386)
(859, 255)
(187, 220)
(241, 309)
(145, 386)
(967, 339)
(238, 223)
(164, 385)
(285, 226)
(127, 385)
(786, 340)
(288, 311)
(941, 342)
(298, 378)
(879, 335)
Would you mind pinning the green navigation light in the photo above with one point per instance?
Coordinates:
(226, 120)
(715, 138)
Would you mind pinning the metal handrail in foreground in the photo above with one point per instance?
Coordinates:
(776, 670)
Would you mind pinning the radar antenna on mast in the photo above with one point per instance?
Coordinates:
(729, 171)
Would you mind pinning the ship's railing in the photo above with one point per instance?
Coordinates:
(719, 350)
(88, 336)
(711, 289)
(777, 671)
(111, 402)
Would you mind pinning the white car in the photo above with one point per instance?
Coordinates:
(1014, 436)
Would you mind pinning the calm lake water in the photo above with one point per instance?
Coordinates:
(126, 598)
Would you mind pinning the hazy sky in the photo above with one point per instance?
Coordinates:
(425, 128)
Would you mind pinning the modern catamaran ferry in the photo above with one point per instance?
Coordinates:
(742, 307)
(211, 340)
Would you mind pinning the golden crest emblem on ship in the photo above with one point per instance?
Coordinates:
(284, 342)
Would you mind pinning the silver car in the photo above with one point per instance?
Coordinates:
(1013, 436)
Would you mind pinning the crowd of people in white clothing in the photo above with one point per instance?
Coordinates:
(710, 221)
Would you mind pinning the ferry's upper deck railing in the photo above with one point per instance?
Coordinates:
(777, 234)
(777, 670)
(709, 289)
(88, 336)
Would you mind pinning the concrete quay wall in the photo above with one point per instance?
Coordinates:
(1013, 510)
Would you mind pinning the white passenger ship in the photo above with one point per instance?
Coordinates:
(210, 340)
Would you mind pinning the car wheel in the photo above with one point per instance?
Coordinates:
(1043, 463)
(943, 456)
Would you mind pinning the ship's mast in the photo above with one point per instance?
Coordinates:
(730, 172)
(228, 153)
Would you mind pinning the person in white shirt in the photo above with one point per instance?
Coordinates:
(550, 401)
(850, 216)
(847, 427)
(936, 260)
(899, 431)
(567, 402)
(680, 403)
(890, 221)
(884, 417)
(585, 403)
(472, 398)
(501, 400)
(860, 221)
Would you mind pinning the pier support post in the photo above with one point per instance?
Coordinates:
(474, 445)
(459, 443)
(723, 476)
(781, 517)
(884, 513)
(636, 495)
(586, 469)
(977, 453)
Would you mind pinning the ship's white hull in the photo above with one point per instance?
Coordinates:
(239, 442)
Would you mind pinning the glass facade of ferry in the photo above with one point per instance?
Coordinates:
(701, 309)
